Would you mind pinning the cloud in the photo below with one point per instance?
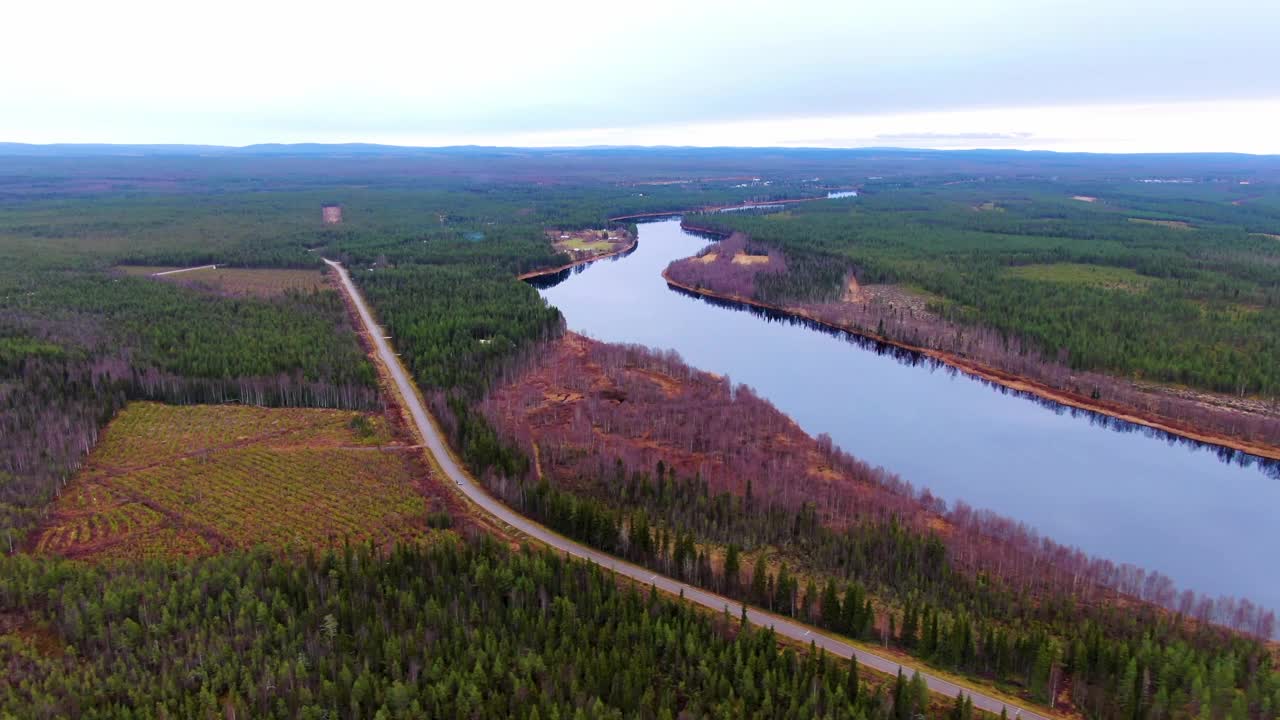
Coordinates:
(935, 136)
(1233, 126)
(153, 70)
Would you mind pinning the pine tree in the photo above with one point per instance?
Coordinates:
(784, 598)
(907, 636)
(760, 581)
(851, 689)
(732, 568)
(829, 607)
(901, 702)
(919, 692)
(807, 603)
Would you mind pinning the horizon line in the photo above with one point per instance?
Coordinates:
(5, 145)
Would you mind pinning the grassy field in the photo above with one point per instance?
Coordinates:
(1171, 224)
(587, 245)
(258, 282)
(189, 480)
(583, 243)
(1099, 276)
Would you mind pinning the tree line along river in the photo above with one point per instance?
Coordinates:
(1200, 514)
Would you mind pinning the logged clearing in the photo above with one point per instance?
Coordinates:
(1084, 198)
(257, 282)
(1173, 224)
(988, 207)
(909, 299)
(194, 479)
(1101, 276)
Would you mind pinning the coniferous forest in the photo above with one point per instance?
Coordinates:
(454, 623)
(453, 630)
(1129, 297)
(1188, 290)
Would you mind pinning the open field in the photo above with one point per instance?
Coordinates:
(586, 245)
(583, 244)
(1099, 276)
(258, 282)
(1172, 224)
(189, 480)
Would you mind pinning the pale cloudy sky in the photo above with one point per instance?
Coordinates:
(1102, 75)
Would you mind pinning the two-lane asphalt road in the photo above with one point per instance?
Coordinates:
(782, 626)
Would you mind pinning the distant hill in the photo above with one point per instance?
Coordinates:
(668, 151)
(60, 168)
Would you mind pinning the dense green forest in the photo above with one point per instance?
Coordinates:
(430, 220)
(468, 629)
(464, 324)
(1119, 664)
(1097, 282)
(198, 336)
(451, 630)
(80, 339)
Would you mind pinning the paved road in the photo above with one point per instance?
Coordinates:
(783, 626)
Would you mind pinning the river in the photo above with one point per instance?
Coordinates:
(1112, 489)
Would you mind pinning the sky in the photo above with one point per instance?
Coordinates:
(1093, 75)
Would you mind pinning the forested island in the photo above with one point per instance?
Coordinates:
(211, 504)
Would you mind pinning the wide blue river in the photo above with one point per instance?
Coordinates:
(1127, 495)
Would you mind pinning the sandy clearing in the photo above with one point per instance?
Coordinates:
(745, 259)
(853, 292)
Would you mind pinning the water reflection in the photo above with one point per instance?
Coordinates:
(1115, 489)
(907, 356)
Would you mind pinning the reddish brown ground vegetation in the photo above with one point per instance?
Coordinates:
(715, 268)
(582, 406)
